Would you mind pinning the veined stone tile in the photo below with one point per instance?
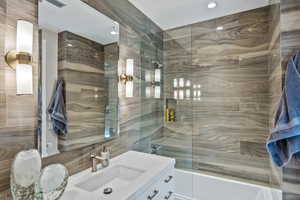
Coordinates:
(230, 118)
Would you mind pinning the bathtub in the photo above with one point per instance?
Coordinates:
(196, 186)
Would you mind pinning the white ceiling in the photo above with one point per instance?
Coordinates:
(78, 18)
(174, 13)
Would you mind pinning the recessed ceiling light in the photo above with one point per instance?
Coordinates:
(219, 28)
(212, 4)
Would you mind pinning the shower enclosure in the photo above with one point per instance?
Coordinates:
(218, 77)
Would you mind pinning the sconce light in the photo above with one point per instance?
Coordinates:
(157, 92)
(127, 78)
(21, 59)
(153, 80)
(157, 77)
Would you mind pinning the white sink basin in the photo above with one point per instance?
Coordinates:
(115, 177)
(72, 194)
(128, 175)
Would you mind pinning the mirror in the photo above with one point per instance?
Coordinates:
(79, 48)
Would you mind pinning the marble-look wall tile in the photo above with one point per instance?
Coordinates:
(290, 45)
(224, 129)
(275, 78)
(135, 114)
(81, 66)
(17, 113)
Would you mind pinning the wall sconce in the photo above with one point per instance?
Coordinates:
(153, 80)
(127, 78)
(157, 92)
(148, 76)
(155, 83)
(21, 58)
(157, 80)
(157, 77)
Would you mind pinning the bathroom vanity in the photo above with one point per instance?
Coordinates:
(130, 176)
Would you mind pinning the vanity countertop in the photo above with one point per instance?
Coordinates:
(137, 171)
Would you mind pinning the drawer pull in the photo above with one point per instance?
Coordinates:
(169, 195)
(168, 179)
(150, 197)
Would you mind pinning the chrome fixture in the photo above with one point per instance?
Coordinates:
(115, 30)
(95, 159)
(157, 64)
(155, 148)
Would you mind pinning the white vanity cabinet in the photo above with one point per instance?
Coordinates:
(130, 176)
(161, 189)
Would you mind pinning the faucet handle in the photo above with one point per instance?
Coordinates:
(93, 155)
(104, 149)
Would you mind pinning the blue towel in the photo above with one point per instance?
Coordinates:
(284, 141)
(57, 110)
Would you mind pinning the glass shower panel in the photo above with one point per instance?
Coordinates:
(176, 135)
(151, 110)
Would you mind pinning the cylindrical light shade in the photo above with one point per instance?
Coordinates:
(129, 89)
(24, 36)
(157, 92)
(148, 76)
(175, 83)
(175, 94)
(187, 93)
(129, 67)
(24, 44)
(199, 93)
(188, 83)
(181, 94)
(24, 79)
(181, 82)
(157, 75)
(148, 92)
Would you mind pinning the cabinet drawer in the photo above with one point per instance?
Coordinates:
(153, 193)
(167, 185)
(168, 195)
(168, 178)
(163, 189)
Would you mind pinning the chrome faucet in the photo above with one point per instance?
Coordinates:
(95, 159)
